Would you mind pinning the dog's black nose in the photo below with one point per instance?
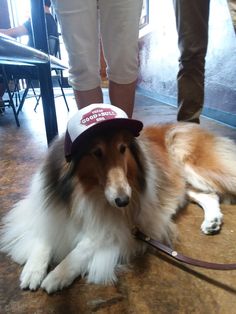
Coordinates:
(122, 201)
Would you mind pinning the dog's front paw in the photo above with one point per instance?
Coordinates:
(55, 281)
(213, 225)
(32, 276)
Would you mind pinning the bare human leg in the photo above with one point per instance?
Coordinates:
(87, 97)
(122, 96)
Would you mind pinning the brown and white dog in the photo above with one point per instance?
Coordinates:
(79, 213)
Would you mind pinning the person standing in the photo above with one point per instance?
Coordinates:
(192, 17)
(116, 23)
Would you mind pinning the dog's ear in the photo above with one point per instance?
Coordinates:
(59, 175)
(140, 160)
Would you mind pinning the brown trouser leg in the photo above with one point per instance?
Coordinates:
(192, 26)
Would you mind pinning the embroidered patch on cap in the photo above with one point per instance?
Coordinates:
(98, 115)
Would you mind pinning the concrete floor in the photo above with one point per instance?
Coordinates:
(154, 283)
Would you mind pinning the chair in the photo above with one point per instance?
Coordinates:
(29, 74)
(53, 45)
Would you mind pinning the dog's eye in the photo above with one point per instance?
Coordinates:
(122, 148)
(97, 152)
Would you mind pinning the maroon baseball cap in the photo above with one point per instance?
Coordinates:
(96, 117)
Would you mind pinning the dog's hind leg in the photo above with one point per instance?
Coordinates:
(36, 267)
(209, 202)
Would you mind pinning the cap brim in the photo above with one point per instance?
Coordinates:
(77, 146)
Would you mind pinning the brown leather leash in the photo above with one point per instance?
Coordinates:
(178, 256)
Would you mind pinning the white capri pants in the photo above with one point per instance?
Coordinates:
(82, 25)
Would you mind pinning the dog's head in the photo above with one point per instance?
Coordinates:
(102, 155)
(111, 163)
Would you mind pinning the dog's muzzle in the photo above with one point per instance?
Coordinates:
(117, 190)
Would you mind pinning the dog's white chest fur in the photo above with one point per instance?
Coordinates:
(91, 239)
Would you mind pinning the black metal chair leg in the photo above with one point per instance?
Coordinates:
(63, 94)
(23, 99)
(37, 103)
(11, 101)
